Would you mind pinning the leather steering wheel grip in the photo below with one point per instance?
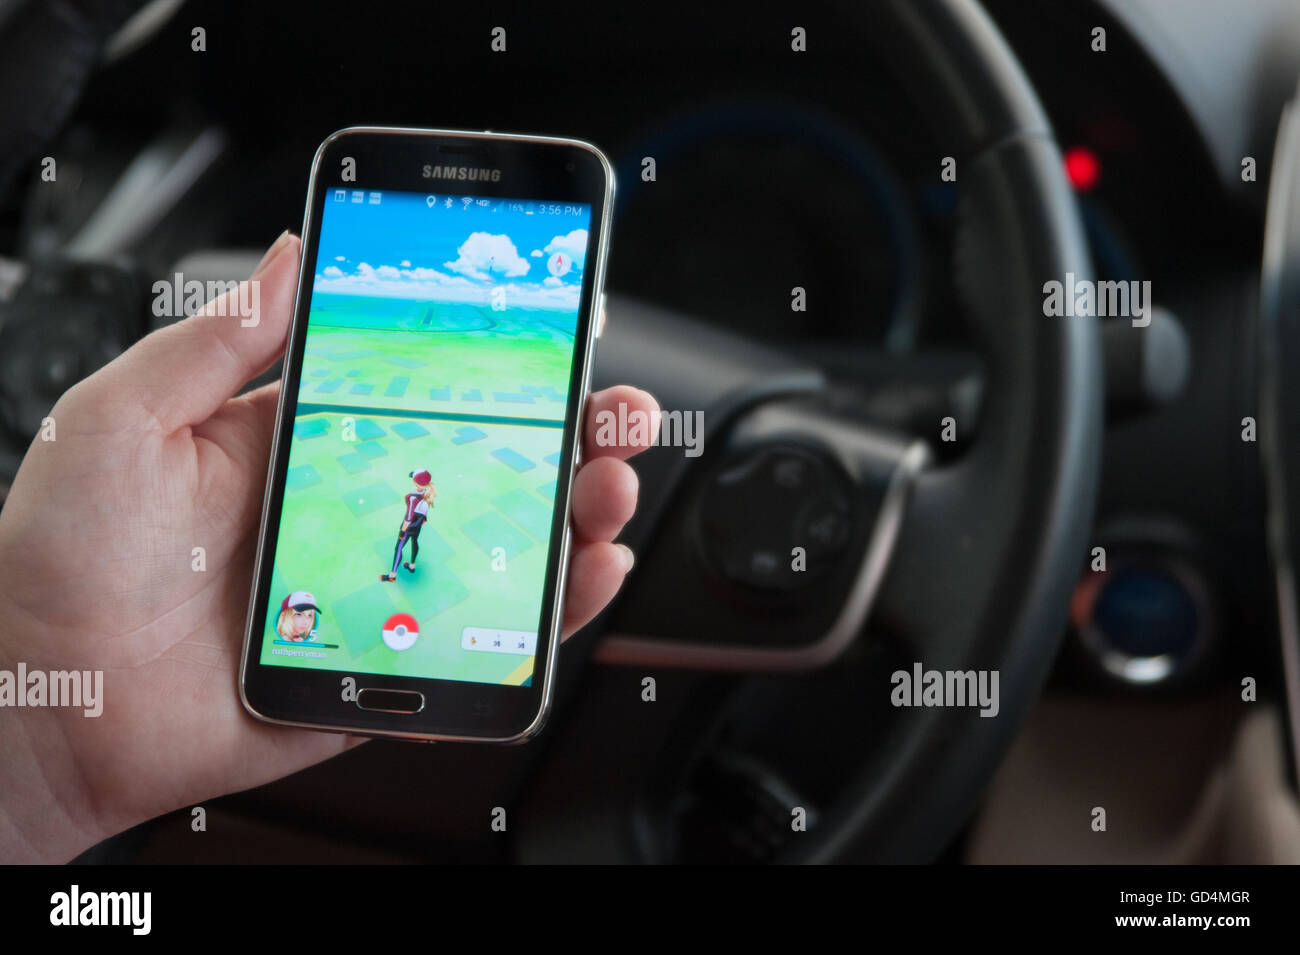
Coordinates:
(47, 50)
(992, 545)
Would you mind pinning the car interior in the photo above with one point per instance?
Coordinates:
(837, 255)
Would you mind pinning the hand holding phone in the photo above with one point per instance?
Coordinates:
(169, 733)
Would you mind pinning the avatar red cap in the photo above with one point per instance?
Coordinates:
(299, 600)
(422, 478)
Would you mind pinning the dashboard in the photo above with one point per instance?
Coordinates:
(796, 199)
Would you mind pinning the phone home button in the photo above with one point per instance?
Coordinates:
(389, 701)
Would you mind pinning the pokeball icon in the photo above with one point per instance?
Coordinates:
(559, 264)
(400, 632)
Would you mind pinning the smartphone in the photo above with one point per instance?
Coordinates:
(414, 539)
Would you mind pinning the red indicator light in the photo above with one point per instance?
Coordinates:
(1082, 168)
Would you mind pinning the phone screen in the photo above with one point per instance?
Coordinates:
(419, 499)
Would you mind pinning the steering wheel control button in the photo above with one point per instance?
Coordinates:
(790, 472)
(775, 518)
(390, 701)
(764, 564)
(824, 526)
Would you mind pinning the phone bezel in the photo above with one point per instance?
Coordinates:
(563, 170)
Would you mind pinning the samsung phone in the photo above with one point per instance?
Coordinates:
(415, 531)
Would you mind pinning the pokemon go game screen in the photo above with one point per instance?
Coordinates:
(421, 484)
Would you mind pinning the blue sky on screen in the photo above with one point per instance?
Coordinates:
(401, 247)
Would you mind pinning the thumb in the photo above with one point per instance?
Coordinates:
(183, 373)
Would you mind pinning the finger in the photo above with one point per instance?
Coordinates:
(265, 401)
(262, 405)
(243, 427)
(596, 571)
(604, 498)
(620, 422)
(181, 374)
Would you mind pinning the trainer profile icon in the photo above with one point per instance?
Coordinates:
(298, 616)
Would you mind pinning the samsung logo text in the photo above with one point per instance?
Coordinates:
(462, 172)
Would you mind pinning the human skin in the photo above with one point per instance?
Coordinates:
(156, 454)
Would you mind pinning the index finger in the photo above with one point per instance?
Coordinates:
(619, 422)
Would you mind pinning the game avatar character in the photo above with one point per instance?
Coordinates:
(297, 621)
(418, 503)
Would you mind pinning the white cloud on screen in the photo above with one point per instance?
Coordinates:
(424, 284)
(484, 255)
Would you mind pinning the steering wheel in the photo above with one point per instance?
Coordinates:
(958, 563)
(970, 564)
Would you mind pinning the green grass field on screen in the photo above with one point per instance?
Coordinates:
(391, 386)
